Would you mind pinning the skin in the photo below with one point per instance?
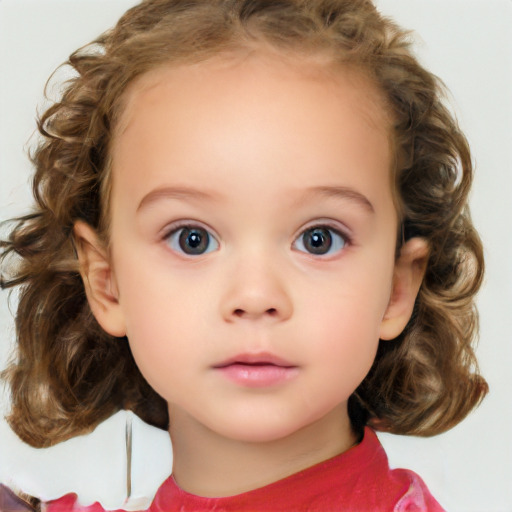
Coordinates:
(256, 151)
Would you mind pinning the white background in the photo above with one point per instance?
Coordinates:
(466, 42)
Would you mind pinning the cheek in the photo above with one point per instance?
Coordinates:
(353, 304)
(159, 322)
(343, 328)
(349, 335)
(345, 353)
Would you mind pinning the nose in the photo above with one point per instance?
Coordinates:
(256, 291)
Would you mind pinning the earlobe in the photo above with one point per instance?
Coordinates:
(99, 281)
(407, 278)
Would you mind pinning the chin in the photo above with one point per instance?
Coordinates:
(257, 431)
(260, 435)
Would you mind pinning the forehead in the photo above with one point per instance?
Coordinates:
(282, 121)
(234, 68)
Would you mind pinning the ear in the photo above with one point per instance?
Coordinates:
(407, 278)
(99, 280)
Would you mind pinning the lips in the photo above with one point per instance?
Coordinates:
(261, 359)
(257, 370)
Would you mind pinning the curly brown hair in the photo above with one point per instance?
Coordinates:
(69, 374)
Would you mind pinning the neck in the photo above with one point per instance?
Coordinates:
(210, 465)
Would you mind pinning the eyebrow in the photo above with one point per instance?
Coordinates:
(182, 193)
(187, 193)
(338, 192)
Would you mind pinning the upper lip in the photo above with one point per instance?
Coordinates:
(261, 358)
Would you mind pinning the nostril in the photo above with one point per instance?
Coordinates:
(242, 312)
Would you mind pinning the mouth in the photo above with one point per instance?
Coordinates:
(262, 359)
(257, 370)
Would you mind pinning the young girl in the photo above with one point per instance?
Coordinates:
(252, 230)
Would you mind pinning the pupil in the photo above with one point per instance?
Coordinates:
(318, 240)
(193, 241)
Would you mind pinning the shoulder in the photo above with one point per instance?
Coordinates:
(15, 501)
(410, 493)
(380, 488)
(417, 497)
(69, 503)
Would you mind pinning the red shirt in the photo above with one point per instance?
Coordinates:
(358, 480)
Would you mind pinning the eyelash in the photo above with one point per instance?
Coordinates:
(334, 236)
(195, 233)
(173, 238)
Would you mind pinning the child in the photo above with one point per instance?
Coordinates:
(252, 231)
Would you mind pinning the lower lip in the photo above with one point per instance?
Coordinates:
(258, 376)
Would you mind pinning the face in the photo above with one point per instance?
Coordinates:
(253, 237)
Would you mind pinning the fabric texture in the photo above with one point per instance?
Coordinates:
(358, 480)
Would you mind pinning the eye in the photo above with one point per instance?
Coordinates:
(320, 240)
(192, 240)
